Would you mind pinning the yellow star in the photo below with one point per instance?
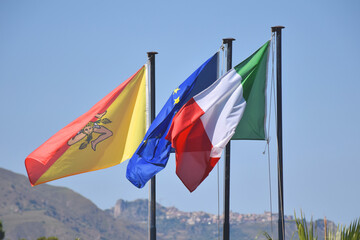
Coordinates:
(177, 100)
(176, 90)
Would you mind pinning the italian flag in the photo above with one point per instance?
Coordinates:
(206, 123)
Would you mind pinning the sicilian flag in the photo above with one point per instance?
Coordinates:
(153, 152)
(206, 123)
(106, 135)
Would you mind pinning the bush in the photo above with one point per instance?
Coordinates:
(49, 238)
(2, 233)
(345, 233)
(309, 233)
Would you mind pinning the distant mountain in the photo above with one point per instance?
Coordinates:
(175, 224)
(31, 212)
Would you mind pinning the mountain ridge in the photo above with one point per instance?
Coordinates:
(31, 212)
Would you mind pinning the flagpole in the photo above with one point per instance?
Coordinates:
(226, 226)
(152, 190)
(281, 225)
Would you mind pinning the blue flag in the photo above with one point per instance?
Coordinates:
(153, 153)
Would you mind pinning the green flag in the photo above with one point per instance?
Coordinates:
(254, 70)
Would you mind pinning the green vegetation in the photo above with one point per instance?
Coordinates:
(302, 230)
(2, 232)
(305, 232)
(345, 233)
(49, 238)
(47, 210)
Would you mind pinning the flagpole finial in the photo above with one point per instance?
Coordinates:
(227, 40)
(276, 28)
(151, 53)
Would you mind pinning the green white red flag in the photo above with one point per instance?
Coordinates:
(206, 123)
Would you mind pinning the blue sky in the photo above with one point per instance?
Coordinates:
(58, 58)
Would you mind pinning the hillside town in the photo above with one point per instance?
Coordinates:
(192, 218)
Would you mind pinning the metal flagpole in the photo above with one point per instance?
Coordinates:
(281, 225)
(152, 190)
(226, 227)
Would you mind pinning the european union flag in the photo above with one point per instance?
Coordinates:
(153, 153)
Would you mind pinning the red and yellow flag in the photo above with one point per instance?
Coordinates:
(106, 135)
